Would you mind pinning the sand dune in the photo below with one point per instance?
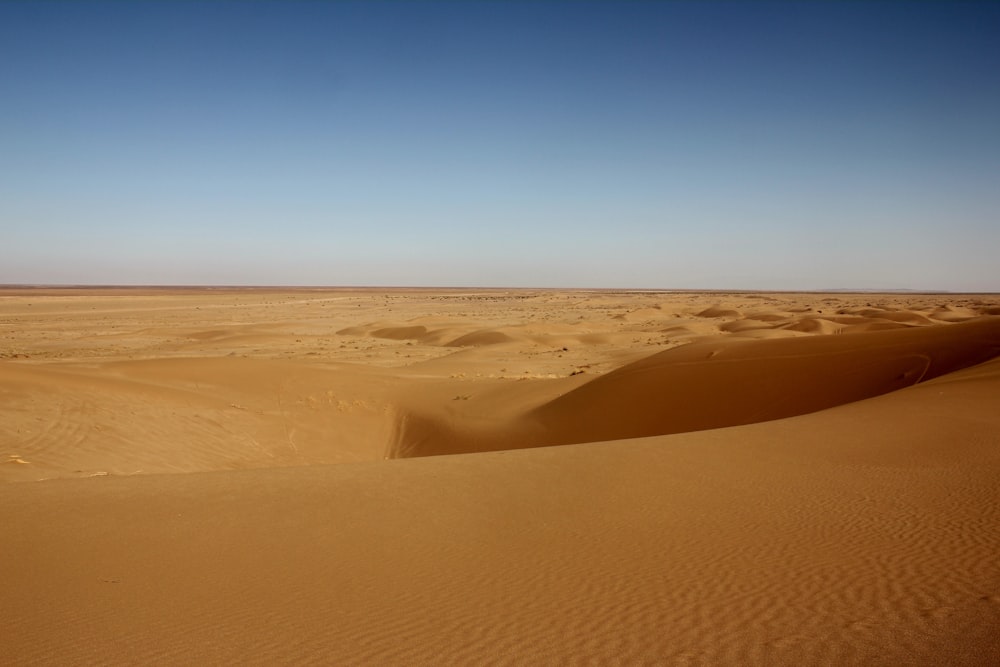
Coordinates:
(712, 384)
(729, 488)
(819, 325)
(188, 415)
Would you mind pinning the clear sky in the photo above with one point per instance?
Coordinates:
(740, 145)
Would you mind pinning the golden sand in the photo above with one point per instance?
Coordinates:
(422, 477)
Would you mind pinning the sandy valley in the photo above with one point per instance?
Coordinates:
(490, 476)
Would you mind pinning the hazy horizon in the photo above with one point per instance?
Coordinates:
(416, 287)
(660, 145)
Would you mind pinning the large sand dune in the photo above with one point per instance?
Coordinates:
(200, 476)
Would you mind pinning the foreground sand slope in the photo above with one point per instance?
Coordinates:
(863, 534)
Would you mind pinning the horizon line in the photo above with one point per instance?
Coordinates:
(249, 287)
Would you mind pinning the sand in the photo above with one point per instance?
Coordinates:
(423, 477)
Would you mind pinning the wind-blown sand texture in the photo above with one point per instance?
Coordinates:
(423, 477)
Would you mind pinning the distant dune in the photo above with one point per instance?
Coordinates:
(424, 477)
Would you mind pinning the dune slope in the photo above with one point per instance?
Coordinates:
(864, 534)
(712, 384)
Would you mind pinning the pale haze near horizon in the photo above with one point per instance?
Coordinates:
(646, 145)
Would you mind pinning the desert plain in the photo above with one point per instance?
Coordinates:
(498, 477)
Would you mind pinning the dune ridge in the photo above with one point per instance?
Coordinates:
(715, 384)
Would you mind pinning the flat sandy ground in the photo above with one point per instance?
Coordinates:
(429, 477)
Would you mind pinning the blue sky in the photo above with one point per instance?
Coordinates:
(734, 145)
